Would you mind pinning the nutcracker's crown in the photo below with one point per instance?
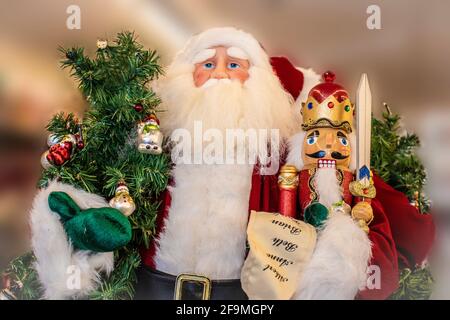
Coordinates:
(328, 105)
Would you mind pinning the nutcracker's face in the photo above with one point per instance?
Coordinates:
(326, 148)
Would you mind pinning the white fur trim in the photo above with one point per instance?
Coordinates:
(204, 55)
(236, 52)
(339, 263)
(56, 260)
(228, 37)
(310, 80)
(205, 231)
(295, 155)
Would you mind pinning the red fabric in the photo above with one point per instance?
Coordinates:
(384, 255)
(412, 231)
(290, 77)
(147, 255)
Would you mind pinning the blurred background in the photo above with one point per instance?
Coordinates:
(407, 61)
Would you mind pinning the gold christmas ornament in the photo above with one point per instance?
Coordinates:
(122, 200)
(102, 44)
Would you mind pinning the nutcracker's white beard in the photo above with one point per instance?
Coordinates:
(259, 103)
(328, 188)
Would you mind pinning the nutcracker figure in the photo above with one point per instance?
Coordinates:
(326, 178)
(326, 193)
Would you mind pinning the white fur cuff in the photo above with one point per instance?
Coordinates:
(64, 272)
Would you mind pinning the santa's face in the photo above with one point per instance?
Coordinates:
(221, 63)
(326, 148)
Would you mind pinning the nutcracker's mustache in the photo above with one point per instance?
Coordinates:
(320, 154)
(317, 155)
(337, 155)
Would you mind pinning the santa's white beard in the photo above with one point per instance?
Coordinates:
(327, 185)
(259, 103)
(205, 231)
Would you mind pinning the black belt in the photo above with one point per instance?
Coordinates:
(156, 285)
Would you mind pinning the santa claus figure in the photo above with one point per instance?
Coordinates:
(222, 79)
(364, 227)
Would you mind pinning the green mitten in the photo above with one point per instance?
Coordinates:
(96, 229)
(316, 214)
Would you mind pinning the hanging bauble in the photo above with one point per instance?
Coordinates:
(150, 138)
(122, 200)
(102, 44)
(138, 107)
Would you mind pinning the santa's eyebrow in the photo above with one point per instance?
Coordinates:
(315, 133)
(204, 55)
(341, 134)
(237, 53)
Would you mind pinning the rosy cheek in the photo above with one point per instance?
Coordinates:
(200, 77)
(241, 75)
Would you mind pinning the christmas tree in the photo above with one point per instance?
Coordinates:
(104, 152)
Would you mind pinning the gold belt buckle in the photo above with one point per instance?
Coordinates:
(186, 277)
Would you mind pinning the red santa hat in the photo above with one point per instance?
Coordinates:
(290, 77)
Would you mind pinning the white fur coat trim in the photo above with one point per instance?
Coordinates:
(338, 267)
(58, 264)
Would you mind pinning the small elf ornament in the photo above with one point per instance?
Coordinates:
(150, 137)
(122, 200)
(326, 183)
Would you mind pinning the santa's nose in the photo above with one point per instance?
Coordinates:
(220, 72)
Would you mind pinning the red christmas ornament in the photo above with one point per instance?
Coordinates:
(138, 107)
(60, 153)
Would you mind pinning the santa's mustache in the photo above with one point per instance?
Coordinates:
(321, 154)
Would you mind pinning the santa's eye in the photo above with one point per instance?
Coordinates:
(311, 140)
(208, 65)
(343, 141)
(233, 65)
